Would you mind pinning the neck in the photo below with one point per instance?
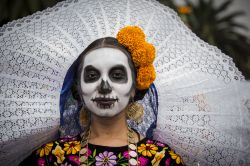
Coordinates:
(109, 131)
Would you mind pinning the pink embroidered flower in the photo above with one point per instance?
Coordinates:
(125, 154)
(160, 144)
(167, 162)
(74, 159)
(67, 138)
(149, 142)
(41, 162)
(89, 152)
(142, 161)
(86, 152)
(106, 158)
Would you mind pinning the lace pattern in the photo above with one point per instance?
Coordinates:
(36, 52)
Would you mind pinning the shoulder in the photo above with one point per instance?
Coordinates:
(55, 151)
(159, 153)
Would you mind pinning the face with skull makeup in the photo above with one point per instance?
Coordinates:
(106, 81)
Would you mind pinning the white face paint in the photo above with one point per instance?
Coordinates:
(106, 81)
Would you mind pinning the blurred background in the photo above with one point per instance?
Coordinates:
(223, 23)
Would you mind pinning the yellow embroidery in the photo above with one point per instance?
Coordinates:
(72, 147)
(45, 149)
(147, 150)
(175, 156)
(59, 153)
(158, 157)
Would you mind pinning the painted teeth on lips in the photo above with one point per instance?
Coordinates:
(104, 99)
(105, 102)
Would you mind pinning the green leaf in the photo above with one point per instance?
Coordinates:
(47, 161)
(90, 163)
(237, 25)
(223, 6)
(231, 16)
(94, 153)
(119, 155)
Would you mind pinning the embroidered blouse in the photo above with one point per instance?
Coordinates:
(65, 152)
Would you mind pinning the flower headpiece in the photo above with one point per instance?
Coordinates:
(142, 53)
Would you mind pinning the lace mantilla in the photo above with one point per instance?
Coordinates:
(36, 52)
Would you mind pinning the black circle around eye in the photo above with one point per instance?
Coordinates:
(91, 75)
(118, 74)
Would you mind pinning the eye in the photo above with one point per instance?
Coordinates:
(118, 74)
(91, 74)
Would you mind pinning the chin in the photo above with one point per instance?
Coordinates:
(106, 113)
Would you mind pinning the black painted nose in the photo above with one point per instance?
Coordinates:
(104, 88)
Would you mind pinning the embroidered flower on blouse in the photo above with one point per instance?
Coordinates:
(89, 152)
(67, 138)
(59, 153)
(160, 144)
(175, 156)
(86, 152)
(125, 154)
(41, 162)
(147, 150)
(45, 149)
(158, 157)
(106, 158)
(167, 162)
(74, 159)
(72, 147)
(149, 141)
(142, 161)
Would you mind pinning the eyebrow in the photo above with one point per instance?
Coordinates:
(118, 66)
(90, 67)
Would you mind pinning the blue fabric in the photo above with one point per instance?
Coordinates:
(66, 88)
(154, 104)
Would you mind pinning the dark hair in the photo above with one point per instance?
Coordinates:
(109, 42)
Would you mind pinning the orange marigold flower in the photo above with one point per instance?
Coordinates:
(145, 76)
(130, 37)
(144, 55)
(45, 149)
(184, 9)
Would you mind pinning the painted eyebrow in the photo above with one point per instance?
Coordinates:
(118, 67)
(90, 67)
